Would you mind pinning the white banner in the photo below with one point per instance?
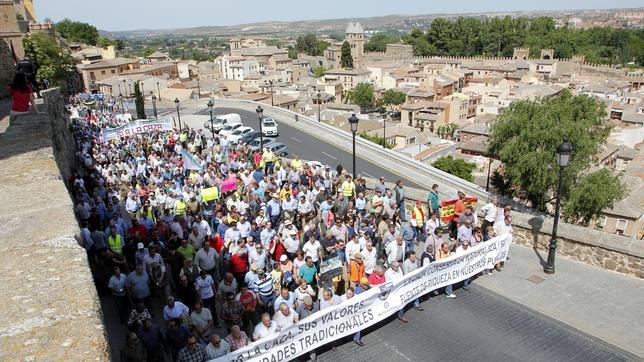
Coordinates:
(136, 127)
(373, 305)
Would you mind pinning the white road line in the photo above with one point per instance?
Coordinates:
(296, 140)
(366, 174)
(324, 153)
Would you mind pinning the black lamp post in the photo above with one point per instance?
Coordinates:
(384, 132)
(120, 93)
(176, 102)
(271, 83)
(211, 105)
(154, 105)
(353, 121)
(198, 89)
(319, 101)
(158, 91)
(564, 150)
(260, 115)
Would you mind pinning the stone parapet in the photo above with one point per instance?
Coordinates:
(50, 308)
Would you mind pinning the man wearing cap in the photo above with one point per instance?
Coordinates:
(307, 307)
(356, 269)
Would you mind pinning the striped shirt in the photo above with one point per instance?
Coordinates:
(265, 287)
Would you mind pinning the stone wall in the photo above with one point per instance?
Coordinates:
(50, 308)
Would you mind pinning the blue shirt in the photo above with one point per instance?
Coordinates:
(308, 273)
(139, 284)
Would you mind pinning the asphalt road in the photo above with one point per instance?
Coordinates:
(309, 147)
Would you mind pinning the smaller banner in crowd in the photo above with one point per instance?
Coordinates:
(372, 306)
(447, 207)
(209, 194)
(228, 185)
(136, 127)
(189, 161)
(330, 268)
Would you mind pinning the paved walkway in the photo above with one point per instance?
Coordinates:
(604, 304)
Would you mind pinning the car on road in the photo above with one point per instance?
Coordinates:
(222, 120)
(254, 144)
(269, 127)
(238, 133)
(228, 129)
(248, 137)
(278, 148)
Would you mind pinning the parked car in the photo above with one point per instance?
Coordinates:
(278, 148)
(238, 133)
(254, 144)
(222, 120)
(228, 129)
(248, 137)
(269, 127)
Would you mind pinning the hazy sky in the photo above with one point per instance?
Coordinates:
(164, 14)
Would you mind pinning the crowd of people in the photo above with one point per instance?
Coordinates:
(246, 261)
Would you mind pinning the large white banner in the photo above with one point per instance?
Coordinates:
(372, 306)
(136, 127)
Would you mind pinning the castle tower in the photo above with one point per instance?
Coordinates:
(521, 53)
(355, 36)
(547, 53)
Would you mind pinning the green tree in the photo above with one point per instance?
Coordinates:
(346, 59)
(54, 63)
(76, 31)
(378, 42)
(292, 52)
(149, 50)
(375, 139)
(593, 193)
(392, 97)
(307, 44)
(139, 101)
(362, 95)
(104, 42)
(525, 135)
(456, 167)
(319, 71)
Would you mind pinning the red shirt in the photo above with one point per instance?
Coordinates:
(216, 242)
(459, 207)
(140, 229)
(374, 279)
(20, 99)
(238, 264)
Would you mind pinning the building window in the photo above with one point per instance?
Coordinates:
(601, 222)
(620, 227)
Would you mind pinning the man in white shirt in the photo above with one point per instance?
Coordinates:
(352, 247)
(369, 257)
(329, 299)
(196, 238)
(258, 256)
(394, 272)
(285, 317)
(244, 226)
(505, 227)
(265, 328)
(312, 248)
(174, 309)
(460, 251)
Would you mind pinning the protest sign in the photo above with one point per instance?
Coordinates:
(372, 306)
(135, 127)
(330, 268)
(228, 185)
(447, 207)
(209, 194)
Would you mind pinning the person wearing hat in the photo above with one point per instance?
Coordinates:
(356, 269)
(307, 307)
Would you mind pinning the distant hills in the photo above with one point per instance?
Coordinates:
(394, 22)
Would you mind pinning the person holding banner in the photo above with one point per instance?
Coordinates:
(443, 253)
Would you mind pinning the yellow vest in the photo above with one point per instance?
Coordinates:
(183, 137)
(268, 156)
(180, 208)
(419, 215)
(115, 243)
(296, 164)
(347, 188)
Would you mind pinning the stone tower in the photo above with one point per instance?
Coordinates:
(11, 49)
(547, 53)
(521, 53)
(355, 36)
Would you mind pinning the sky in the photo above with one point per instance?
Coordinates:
(169, 14)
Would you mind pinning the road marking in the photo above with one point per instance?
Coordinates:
(393, 348)
(296, 140)
(324, 153)
(366, 174)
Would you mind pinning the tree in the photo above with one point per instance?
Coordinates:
(456, 167)
(292, 52)
(104, 42)
(53, 63)
(392, 97)
(346, 59)
(525, 135)
(362, 95)
(376, 139)
(139, 101)
(76, 31)
(307, 44)
(319, 71)
(593, 193)
(378, 42)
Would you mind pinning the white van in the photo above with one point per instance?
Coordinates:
(221, 120)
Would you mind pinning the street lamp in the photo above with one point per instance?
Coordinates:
(271, 83)
(260, 115)
(319, 101)
(158, 91)
(198, 89)
(154, 105)
(564, 150)
(353, 121)
(120, 93)
(176, 102)
(211, 105)
(384, 132)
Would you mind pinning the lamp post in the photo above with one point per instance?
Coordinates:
(353, 121)
(120, 93)
(271, 83)
(176, 102)
(489, 168)
(564, 150)
(154, 105)
(158, 91)
(384, 133)
(129, 86)
(260, 115)
(211, 105)
(198, 89)
(319, 101)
